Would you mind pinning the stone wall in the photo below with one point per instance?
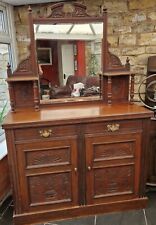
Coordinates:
(131, 30)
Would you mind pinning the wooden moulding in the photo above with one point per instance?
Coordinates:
(67, 213)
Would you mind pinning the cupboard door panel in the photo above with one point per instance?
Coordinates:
(48, 173)
(113, 167)
(50, 188)
(113, 181)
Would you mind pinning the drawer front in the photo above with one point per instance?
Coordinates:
(114, 126)
(44, 132)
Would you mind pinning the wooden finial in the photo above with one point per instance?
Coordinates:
(29, 9)
(127, 65)
(9, 72)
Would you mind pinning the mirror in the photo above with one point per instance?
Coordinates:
(69, 57)
(67, 51)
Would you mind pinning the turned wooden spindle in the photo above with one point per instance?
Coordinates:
(36, 95)
(132, 88)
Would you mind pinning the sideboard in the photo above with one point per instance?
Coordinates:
(76, 160)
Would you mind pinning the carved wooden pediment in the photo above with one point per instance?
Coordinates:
(63, 10)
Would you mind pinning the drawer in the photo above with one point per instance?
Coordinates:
(44, 132)
(113, 126)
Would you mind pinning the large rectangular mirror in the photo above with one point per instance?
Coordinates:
(69, 56)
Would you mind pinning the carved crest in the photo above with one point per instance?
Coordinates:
(62, 10)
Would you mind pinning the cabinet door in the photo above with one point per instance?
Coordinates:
(112, 167)
(48, 173)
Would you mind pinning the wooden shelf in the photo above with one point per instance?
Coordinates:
(21, 78)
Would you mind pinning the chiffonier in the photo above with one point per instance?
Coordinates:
(77, 160)
(81, 156)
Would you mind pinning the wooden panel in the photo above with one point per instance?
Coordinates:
(48, 173)
(116, 180)
(42, 157)
(113, 166)
(124, 125)
(107, 151)
(34, 133)
(24, 95)
(50, 188)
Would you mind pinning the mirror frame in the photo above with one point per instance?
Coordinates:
(68, 13)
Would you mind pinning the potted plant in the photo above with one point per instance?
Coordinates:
(2, 114)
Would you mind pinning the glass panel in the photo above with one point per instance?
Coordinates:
(3, 21)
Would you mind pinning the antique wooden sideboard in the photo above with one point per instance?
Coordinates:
(75, 158)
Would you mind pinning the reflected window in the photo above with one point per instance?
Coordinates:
(6, 50)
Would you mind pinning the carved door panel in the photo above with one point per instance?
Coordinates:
(48, 173)
(113, 167)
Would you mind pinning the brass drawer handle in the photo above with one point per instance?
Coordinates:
(45, 133)
(113, 127)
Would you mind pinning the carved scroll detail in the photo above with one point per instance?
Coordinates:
(24, 66)
(62, 10)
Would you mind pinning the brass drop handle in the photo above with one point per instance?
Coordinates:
(113, 127)
(89, 168)
(45, 133)
(75, 169)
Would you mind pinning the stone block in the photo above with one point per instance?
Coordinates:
(141, 4)
(127, 39)
(147, 39)
(143, 27)
(152, 16)
(113, 40)
(122, 29)
(133, 50)
(139, 17)
(115, 19)
(151, 49)
(140, 69)
(142, 59)
(116, 6)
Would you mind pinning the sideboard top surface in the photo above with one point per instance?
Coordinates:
(75, 114)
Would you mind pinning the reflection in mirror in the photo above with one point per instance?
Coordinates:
(69, 57)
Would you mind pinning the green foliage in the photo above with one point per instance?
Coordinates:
(2, 113)
(93, 65)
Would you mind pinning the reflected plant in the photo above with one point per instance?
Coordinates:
(93, 65)
(2, 113)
